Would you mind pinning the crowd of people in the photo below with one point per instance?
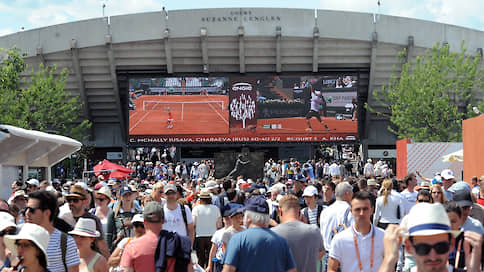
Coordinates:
(309, 216)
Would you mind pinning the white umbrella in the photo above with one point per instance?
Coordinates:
(457, 156)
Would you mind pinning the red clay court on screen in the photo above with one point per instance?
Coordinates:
(192, 114)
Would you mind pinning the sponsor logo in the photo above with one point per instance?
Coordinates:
(242, 87)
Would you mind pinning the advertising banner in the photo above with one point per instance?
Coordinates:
(242, 104)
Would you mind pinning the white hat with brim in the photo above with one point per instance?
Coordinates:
(426, 219)
(210, 185)
(32, 232)
(104, 191)
(85, 227)
(6, 220)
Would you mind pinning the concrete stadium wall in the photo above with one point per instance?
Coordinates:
(252, 40)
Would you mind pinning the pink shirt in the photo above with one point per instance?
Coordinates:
(140, 253)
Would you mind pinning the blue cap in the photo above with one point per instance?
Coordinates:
(124, 190)
(257, 204)
(234, 211)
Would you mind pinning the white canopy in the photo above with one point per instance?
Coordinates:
(33, 148)
(457, 156)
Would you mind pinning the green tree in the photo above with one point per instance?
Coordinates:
(44, 105)
(429, 99)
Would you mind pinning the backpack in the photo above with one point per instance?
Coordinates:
(342, 226)
(184, 215)
(63, 244)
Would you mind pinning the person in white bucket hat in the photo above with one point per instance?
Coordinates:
(7, 226)
(427, 235)
(30, 246)
(85, 234)
(139, 230)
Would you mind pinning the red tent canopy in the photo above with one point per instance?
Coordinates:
(115, 170)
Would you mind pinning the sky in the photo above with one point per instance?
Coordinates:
(29, 14)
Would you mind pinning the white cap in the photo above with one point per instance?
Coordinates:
(447, 174)
(310, 191)
(137, 218)
(33, 182)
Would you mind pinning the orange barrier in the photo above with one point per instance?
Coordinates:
(472, 131)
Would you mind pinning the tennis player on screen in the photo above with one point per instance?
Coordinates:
(169, 121)
(316, 101)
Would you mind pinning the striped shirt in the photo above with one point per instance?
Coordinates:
(54, 252)
(313, 216)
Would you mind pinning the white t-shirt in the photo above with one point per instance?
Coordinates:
(411, 199)
(229, 233)
(207, 216)
(54, 252)
(330, 218)
(174, 220)
(343, 249)
(217, 240)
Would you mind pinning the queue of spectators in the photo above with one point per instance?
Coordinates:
(311, 216)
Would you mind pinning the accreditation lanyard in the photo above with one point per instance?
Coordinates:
(457, 254)
(372, 249)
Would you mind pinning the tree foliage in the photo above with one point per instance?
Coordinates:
(44, 104)
(429, 99)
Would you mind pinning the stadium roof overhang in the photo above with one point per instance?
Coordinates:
(22, 147)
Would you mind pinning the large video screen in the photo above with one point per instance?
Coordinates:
(243, 109)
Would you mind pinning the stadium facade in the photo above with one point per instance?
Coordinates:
(103, 54)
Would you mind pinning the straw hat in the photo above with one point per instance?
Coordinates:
(85, 227)
(32, 232)
(205, 194)
(104, 191)
(427, 219)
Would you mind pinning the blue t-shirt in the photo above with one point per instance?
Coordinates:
(259, 249)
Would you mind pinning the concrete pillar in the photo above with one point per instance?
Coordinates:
(76, 66)
(114, 80)
(204, 41)
(241, 33)
(278, 50)
(371, 86)
(168, 55)
(315, 49)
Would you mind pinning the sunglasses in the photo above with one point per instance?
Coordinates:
(101, 199)
(138, 225)
(23, 245)
(75, 200)
(30, 209)
(423, 249)
(8, 232)
(436, 193)
(170, 193)
(423, 200)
